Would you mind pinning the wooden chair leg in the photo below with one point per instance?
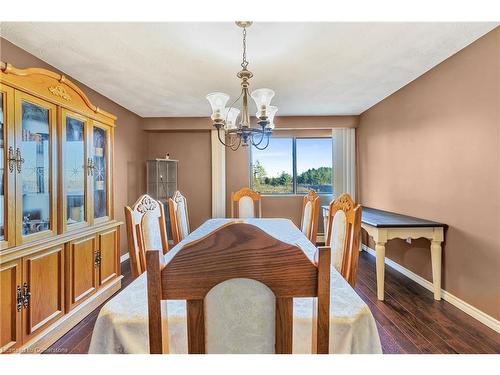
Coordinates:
(323, 317)
(284, 325)
(196, 326)
(154, 302)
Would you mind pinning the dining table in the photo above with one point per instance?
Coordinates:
(122, 323)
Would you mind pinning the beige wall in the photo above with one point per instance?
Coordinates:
(432, 150)
(193, 150)
(129, 140)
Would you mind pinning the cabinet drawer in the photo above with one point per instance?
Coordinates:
(43, 273)
(107, 245)
(10, 313)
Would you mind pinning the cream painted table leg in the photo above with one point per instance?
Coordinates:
(379, 235)
(436, 251)
(436, 268)
(380, 263)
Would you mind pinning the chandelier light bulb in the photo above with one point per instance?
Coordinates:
(262, 98)
(271, 112)
(218, 101)
(230, 117)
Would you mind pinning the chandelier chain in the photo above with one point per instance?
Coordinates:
(244, 64)
(231, 133)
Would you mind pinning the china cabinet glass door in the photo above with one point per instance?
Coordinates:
(100, 172)
(35, 133)
(7, 168)
(74, 170)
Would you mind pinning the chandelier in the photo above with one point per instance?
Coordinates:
(232, 133)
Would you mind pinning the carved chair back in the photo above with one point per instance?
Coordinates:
(146, 230)
(310, 216)
(179, 218)
(246, 203)
(344, 234)
(238, 253)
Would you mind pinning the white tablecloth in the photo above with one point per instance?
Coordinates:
(122, 326)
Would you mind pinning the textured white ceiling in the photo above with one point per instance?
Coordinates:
(166, 69)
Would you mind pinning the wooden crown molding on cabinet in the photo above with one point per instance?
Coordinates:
(58, 88)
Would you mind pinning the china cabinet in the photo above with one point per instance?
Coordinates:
(59, 241)
(161, 177)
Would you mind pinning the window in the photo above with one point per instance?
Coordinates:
(293, 166)
(272, 168)
(314, 165)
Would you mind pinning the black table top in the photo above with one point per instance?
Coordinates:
(385, 219)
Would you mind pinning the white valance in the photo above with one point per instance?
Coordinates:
(344, 161)
(218, 177)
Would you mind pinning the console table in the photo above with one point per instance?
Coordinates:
(383, 226)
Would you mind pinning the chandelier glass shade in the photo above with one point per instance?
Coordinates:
(233, 125)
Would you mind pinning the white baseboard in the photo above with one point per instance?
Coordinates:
(124, 257)
(447, 296)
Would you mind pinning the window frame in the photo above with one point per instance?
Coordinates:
(294, 168)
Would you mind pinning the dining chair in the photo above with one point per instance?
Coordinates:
(179, 218)
(145, 222)
(344, 234)
(245, 203)
(310, 216)
(239, 295)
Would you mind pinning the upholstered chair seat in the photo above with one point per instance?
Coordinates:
(337, 239)
(245, 322)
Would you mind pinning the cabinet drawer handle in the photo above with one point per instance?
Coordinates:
(11, 159)
(19, 160)
(19, 299)
(97, 259)
(26, 295)
(90, 167)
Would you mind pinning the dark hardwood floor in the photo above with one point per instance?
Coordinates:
(408, 321)
(77, 340)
